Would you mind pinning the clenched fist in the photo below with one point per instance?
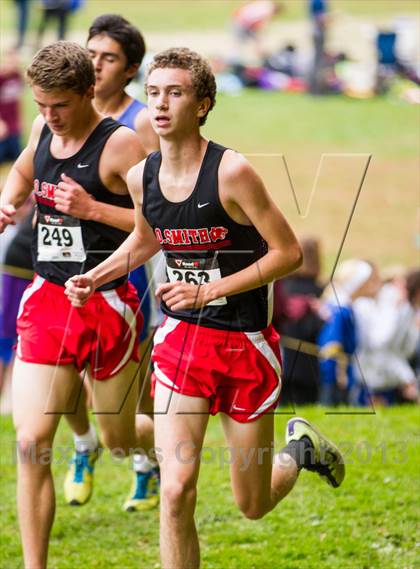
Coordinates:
(79, 289)
(72, 199)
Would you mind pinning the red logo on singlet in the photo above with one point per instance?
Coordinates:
(201, 236)
(44, 191)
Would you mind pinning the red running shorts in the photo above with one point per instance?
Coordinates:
(238, 372)
(102, 334)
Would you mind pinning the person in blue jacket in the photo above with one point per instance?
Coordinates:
(337, 340)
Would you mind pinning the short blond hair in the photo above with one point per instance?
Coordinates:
(62, 66)
(202, 77)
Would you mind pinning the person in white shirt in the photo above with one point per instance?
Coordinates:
(388, 335)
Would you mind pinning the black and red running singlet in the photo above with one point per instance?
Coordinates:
(64, 245)
(202, 243)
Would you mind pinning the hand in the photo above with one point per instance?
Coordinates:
(4, 131)
(410, 391)
(181, 296)
(79, 289)
(71, 198)
(7, 213)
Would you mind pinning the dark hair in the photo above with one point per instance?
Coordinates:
(120, 30)
(203, 81)
(60, 66)
(413, 284)
(311, 263)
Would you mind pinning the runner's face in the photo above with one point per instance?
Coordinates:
(172, 102)
(62, 110)
(110, 65)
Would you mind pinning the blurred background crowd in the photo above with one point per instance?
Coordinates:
(348, 339)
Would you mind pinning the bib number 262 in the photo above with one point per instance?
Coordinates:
(192, 277)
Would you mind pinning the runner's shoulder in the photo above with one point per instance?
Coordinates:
(37, 126)
(135, 179)
(123, 139)
(234, 167)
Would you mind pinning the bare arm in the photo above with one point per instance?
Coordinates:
(148, 138)
(19, 182)
(122, 152)
(246, 200)
(139, 246)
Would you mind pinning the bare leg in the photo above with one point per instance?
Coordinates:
(40, 394)
(259, 479)
(115, 403)
(180, 425)
(78, 419)
(144, 416)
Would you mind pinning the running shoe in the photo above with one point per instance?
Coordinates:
(327, 460)
(144, 493)
(78, 484)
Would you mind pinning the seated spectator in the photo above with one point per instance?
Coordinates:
(284, 61)
(337, 340)
(388, 337)
(301, 327)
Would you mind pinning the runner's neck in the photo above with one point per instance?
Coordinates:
(181, 157)
(113, 106)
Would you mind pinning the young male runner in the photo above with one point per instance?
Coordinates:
(117, 49)
(71, 147)
(225, 241)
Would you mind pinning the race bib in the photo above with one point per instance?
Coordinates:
(195, 271)
(60, 239)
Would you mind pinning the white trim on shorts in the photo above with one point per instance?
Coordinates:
(261, 344)
(29, 291)
(164, 329)
(163, 378)
(124, 310)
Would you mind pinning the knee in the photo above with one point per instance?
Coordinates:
(178, 497)
(33, 449)
(253, 509)
(119, 447)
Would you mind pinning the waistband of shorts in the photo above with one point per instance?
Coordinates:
(60, 288)
(217, 333)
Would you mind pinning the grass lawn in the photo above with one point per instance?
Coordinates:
(170, 15)
(302, 128)
(370, 523)
(383, 227)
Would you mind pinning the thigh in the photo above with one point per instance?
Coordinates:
(114, 400)
(251, 453)
(180, 426)
(145, 401)
(40, 395)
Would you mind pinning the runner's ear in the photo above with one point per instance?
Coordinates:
(131, 70)
(203, 107)
(90, 93)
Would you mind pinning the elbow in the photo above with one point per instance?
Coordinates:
(288, 261)
(296, 257)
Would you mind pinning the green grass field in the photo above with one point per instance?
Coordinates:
(170, 15)
(302, 128)
(384, 226)
(371, 522)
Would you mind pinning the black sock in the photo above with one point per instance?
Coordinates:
(302, 452)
